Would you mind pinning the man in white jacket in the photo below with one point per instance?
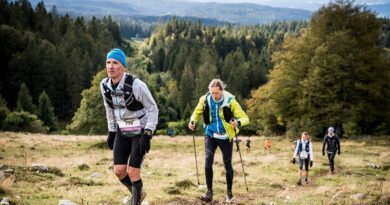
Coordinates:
(132, 117)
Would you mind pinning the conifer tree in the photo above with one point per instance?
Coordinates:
(46, 112)
(24, 101)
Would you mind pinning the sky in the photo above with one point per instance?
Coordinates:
(300, 4)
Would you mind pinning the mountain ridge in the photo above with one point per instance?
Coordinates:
(236, 13)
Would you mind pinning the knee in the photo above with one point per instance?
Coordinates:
(228, 166)
(134, 174)
(209, 162)
(120, 172)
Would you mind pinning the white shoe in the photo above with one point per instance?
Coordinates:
(229, 198)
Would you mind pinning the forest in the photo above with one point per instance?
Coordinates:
(289, 76)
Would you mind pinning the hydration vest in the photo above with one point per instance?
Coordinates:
(227, 112)
(300, 146)
(131, 103)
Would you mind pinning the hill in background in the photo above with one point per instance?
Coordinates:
(242, 13)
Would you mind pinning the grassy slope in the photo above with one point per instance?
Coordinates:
(169, 172)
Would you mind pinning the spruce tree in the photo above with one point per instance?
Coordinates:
(24, 101)
(46, 112)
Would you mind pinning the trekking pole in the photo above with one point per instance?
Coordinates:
(196, 161)
(242, 163)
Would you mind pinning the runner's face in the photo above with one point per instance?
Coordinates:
(304, 137)
(216, 93)
(330, 131)
(114, 68)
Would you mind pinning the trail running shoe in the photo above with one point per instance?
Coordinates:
(229, 198)
(129, 200)
(299, 182)
(207, 197)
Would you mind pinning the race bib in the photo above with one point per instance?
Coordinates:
(303, 155)
(220, 136)
(130, 127)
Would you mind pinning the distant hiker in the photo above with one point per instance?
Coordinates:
(248, 144)
(132, 116)
(267, 145)
(222, 115)
(332, 144)
(304, 153)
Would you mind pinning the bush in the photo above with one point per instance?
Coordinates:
(180, 127)
(296, 127)
(351, 129)
(23, 122)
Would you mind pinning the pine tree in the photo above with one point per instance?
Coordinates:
(187, 85)
(206, 71)
(46, 112)
(24, 101)
(90, 116)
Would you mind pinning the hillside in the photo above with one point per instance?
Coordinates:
(80, 170)
(242, 13)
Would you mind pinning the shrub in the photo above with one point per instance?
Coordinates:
(351, 129)
(23, 122)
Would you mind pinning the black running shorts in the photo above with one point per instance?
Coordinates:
(126, 151)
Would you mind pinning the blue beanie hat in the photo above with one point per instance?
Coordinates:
(118, 55)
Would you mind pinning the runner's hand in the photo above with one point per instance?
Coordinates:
(191, 125)
(144, 142)
(111, 140)
(293, 160)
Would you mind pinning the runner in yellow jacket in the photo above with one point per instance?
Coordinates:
(222, 115)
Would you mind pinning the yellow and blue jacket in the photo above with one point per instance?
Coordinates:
(228, 101)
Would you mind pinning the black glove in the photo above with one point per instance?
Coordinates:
(293, 160)
(111, 139)
(323, 153)
(144, 142)
(339, 152)
(311, 163)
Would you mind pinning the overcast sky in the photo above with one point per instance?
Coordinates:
(302, 4)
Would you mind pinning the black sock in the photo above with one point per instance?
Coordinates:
(126, 181)
(137, 188)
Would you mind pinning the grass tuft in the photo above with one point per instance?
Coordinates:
(172, 190)
(77, 181)
(83, 167)
(184, 184)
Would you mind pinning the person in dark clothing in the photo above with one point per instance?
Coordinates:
(248, 144)
(332, 144)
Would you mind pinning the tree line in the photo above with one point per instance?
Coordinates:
(335, 73)
(50, 53)
(292, 76)
(289, 76)
(181, 57)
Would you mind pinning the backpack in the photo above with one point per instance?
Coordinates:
(300, 146)
(227, 112)
(131, 103)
